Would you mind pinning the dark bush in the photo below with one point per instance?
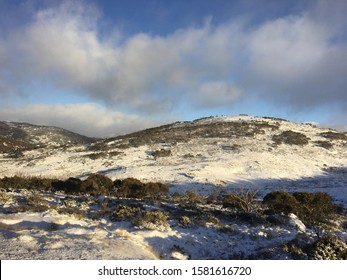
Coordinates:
(29, 183)
(193, 197)
(97, 184)
(281, 202)
(291, 138)
(129, 187)
(70, 186)
(314, 209)
(155, 190)
(324, 144)
(95, 156)
(133, 188)
(334, 135)
(161, 153)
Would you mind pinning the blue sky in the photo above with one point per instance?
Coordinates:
(103, 68)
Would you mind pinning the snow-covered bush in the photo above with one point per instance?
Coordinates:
(125, 212)
(328, 248)
(153, 220)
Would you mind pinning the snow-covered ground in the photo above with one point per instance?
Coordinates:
(205, 162)
(50, 235)
(205, 165)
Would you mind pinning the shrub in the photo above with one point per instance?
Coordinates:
(193, 197)
(242, 202)
(324, 144)
(95, 156)
(133, 188)
(129, 187)
(281, 202)
(5, 198)
(334, 135)
(314, 209)
(97, 184)
(291, 138)
(154, 220)
(70, 186)
(35, 200)
(29, 183)
(124, 213)
(161, 153)
(328, 248)
(185, 221)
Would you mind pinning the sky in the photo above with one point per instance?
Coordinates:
(110, 67)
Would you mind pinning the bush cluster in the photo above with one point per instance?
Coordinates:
(313, 209)
(334, 135)
(326, 248)
(26, 182)
(153, 220)
(133, 188)
(324, 144)
(95, 185)
(291, 138)
(125, 212)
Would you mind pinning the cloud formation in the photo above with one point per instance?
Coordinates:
(87, 119)
(297, 61)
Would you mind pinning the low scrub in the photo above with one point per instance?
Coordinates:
(291, 138)
(26, 182)
(70, 186)
(324, 144)
(328, 248)
(125, 213)
(161, 153)
(242, 202)
(314, 209)
(153, 220)
(334, 135)
(133, 188)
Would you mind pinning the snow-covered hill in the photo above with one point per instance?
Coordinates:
(212, 156)
(230, 152)
(17, 137)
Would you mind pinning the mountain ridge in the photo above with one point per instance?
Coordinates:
(16, 137)
(217, 150)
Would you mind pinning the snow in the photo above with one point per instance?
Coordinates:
(211, 166)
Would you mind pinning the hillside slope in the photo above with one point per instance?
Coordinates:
(240, 151)
(18, 137)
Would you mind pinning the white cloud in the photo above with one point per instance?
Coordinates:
(87, 119)
(294, 61)
(215, 94)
